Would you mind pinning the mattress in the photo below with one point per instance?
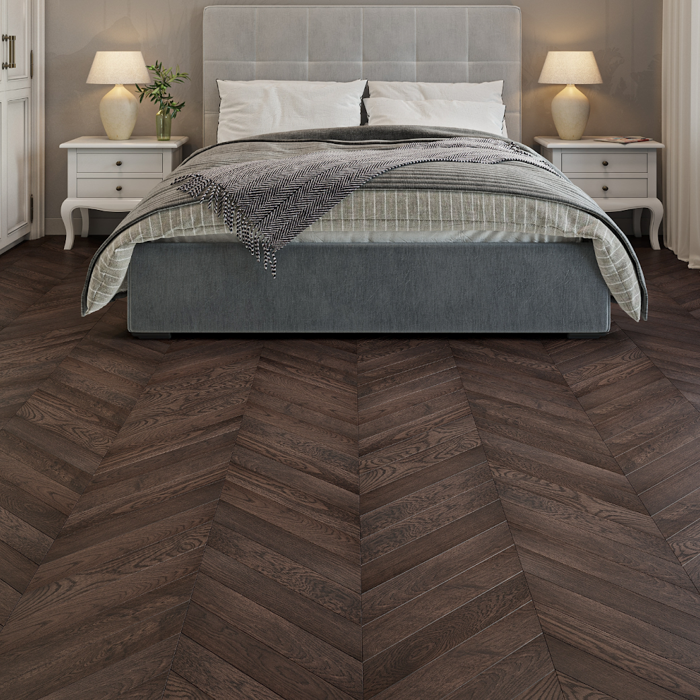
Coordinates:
(447, 236)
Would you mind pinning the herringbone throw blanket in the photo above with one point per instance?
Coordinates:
(269, 202)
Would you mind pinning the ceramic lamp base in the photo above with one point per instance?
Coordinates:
(118, 111)
(570, 110)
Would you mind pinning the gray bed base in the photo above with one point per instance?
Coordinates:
(368, 288)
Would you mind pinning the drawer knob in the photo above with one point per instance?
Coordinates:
(605, 163)
(119, 163)
(605, 188)
(119, 188)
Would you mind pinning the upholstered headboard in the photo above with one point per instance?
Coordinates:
(443, 44)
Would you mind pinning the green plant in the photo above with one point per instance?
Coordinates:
(159, 90)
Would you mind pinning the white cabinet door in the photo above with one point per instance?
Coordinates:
(15, 121)
(18, 31)
(16, 159)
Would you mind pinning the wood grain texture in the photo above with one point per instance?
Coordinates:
(652, 426)
(584, 536)
(345, 518)
(439, 570)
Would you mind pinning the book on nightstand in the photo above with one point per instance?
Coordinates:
(624, 140)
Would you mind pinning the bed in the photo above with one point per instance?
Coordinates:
(458, 279)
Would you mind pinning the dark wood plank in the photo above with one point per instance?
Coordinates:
(425, 548)
(450, 671)
(141, 677)
(429, 520)
(679, 515)
(269, 668)
(672, 489)
(277, 567)
(408, 619)
(299, 453)
(60, 671)
(610, 621)
(177, 688)
(31, 652)
(305, 649)
(568, 473)
(291, 520)
(425, 577)
(529, 526)
(74, 540)
(334, 629)
(548, 688)
(443, 443)
(624, 600)
(15, 569)
(576, 690)
(507, 679)
(557, 510)
(419, 500)
(202, 669)
(254, 463)
(412, 423)
(598, 673)
(406, 657)
(304, 552)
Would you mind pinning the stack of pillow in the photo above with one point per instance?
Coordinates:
(253, 107)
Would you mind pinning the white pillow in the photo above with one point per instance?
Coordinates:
(482, 116)
(252, 107)
(467, 92)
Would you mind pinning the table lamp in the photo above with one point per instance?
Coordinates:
(570, 108)
(118, 106)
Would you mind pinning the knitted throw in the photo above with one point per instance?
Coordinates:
(269, 202)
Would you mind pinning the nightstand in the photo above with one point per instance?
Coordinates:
(618, 177)
(114, 175)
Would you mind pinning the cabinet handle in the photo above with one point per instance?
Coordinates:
(119, 162)
(605, 188)
(605, 163)
(119, 188)
(12, 43)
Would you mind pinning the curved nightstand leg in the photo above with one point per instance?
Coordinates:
(657, 214)
(85, 214)
(67, 215)
(637, 222)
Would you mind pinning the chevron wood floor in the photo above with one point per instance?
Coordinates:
(345, 518)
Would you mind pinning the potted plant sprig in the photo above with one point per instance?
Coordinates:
(159, 93)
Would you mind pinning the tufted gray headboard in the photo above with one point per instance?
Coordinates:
(442, 44)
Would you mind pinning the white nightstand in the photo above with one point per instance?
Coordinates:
(618, 177)
(114, 175)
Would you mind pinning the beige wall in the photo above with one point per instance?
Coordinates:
(625, 35)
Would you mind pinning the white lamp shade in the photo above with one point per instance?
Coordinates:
(118, 68)
(570, 67)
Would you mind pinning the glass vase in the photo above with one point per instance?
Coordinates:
(163, 125)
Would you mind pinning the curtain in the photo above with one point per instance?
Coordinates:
(681, 128)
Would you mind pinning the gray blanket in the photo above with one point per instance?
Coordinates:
(521, 179)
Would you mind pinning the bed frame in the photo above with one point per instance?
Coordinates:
(374, 288)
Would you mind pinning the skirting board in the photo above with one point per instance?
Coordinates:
(99, 226)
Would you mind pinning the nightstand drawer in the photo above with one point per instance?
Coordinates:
(120, 162)
(115, 187)
(613, 187)
(596, 162)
